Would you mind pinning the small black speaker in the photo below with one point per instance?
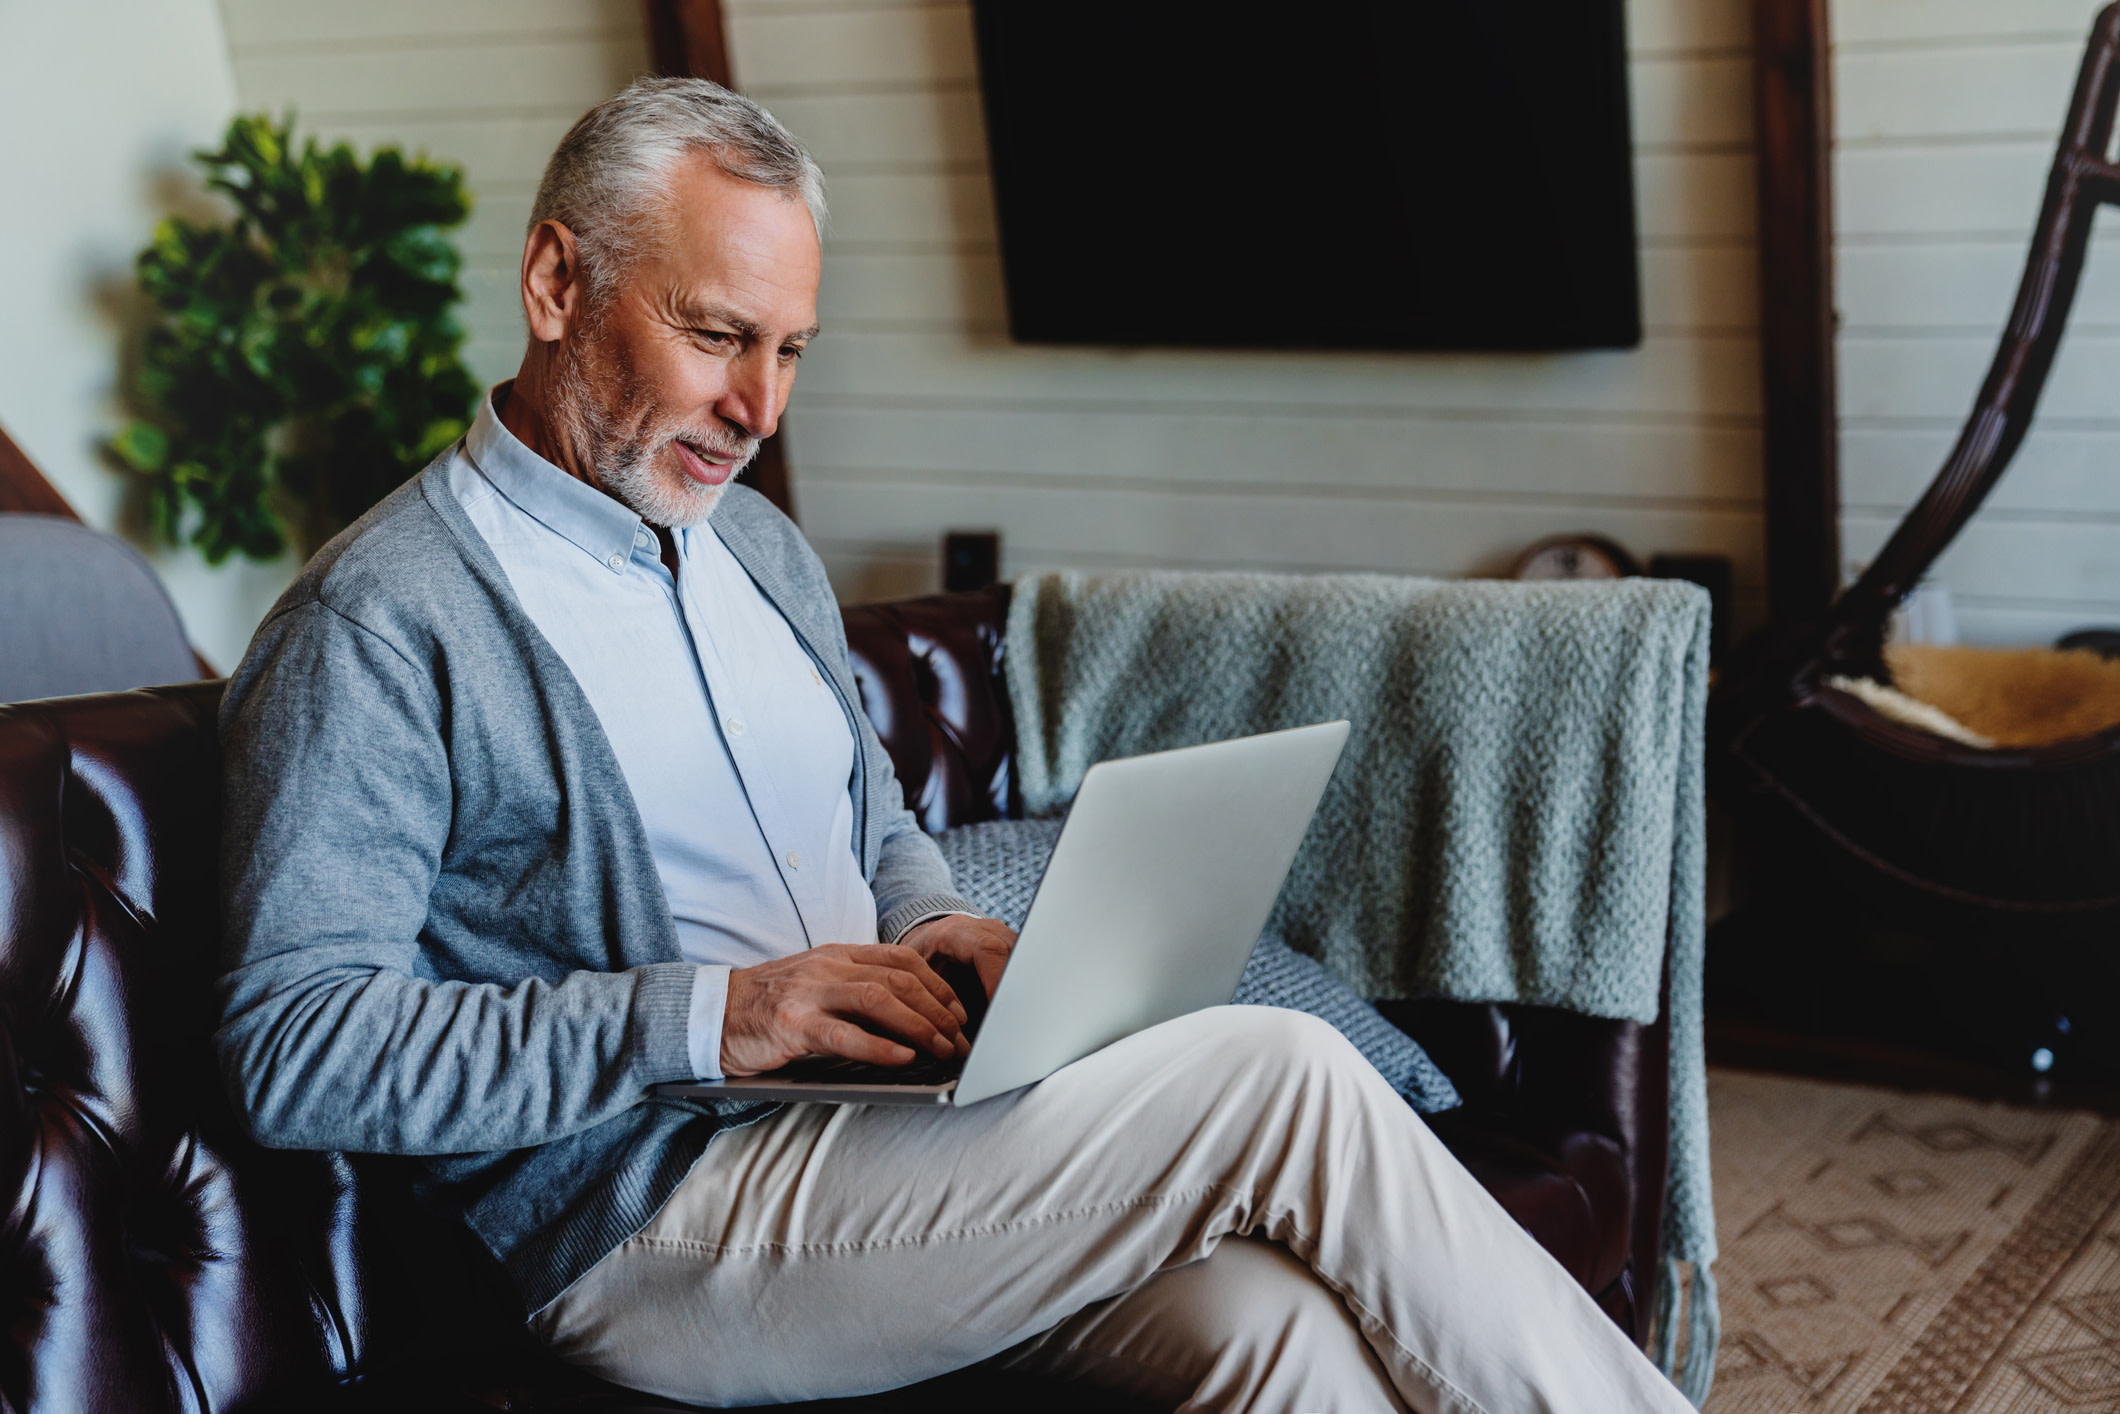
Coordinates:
(971, 559)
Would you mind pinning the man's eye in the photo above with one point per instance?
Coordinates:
(791, 351)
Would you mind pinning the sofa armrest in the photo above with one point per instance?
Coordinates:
(1557, 1102)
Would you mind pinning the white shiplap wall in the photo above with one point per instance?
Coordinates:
(915, 413)
(1947, 114)
(489, 84)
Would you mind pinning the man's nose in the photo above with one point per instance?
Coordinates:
(757, 388)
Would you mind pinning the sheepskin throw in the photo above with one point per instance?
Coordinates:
(2012, 696)
(1519, 815)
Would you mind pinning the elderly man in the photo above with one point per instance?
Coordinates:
(548, 782)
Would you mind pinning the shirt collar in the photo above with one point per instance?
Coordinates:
(570, 507)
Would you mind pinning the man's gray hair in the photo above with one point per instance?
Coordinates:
(607, 177)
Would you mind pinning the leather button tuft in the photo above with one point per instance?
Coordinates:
(929, 675)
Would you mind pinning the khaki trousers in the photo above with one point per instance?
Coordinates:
(1084, 1227)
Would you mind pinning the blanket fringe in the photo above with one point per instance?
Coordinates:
(1701, 1324)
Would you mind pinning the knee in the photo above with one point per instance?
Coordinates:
(1283, 1039)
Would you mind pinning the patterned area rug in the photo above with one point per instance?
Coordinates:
(1885, 1253)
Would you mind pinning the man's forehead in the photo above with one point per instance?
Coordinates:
(703, 206)
(700, 307)
(734, 254)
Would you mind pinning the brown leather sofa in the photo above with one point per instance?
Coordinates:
(152, 1259)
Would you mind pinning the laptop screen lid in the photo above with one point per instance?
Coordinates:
(1154, 897)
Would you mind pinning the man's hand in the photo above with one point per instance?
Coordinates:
(834, 1001)
(980, 942)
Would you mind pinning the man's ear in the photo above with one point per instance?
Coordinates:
(552, 285)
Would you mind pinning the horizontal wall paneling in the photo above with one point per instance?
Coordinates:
(915, 412)
(490, 85)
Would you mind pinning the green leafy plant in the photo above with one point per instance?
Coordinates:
(303, 359)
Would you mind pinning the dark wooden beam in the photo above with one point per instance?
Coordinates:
(23, 487)
(1792, 79)
(688, 40)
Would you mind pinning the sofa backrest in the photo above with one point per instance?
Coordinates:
(151, 1257)
(930, 677)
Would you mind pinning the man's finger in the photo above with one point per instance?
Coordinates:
(904, 990)
(870, 1007)
(989, 964)
(909, 990)
(913, 965)
(875, 1005)
(984, 944)
(997, 942)
(948, 1017)
(836, 1036)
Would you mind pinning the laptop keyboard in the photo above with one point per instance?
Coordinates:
(838, 1070)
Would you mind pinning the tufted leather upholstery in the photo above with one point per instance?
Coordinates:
(1566, 1121)
(929, 671)
(152, 1259)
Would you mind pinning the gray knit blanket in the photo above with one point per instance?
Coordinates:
(1519, 815)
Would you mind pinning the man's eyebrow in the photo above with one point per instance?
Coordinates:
(702, 313)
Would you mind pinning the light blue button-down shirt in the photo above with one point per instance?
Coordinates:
(711, 704)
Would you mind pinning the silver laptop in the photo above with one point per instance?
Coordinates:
(1163, 876)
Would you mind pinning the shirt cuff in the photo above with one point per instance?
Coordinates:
(710, 1003)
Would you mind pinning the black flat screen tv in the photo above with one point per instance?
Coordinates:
(1360, 174)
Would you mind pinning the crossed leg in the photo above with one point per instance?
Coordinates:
(1250, 1327)
(831, 1250)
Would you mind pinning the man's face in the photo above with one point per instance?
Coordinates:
(669, 383)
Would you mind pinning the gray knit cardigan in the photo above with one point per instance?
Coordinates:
(444, 932)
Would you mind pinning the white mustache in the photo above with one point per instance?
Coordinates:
(721, 445)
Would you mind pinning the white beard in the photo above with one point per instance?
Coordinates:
(630, 465)
(657, 496)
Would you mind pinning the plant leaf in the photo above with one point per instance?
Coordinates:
(305, 352)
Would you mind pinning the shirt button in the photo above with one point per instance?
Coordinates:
(794, 859)
(617, 562)
(735, 725)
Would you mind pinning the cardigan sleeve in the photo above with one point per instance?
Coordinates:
(912, 882)
(337, 804)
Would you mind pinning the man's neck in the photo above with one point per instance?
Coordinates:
(521, 410)
(521, 406)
